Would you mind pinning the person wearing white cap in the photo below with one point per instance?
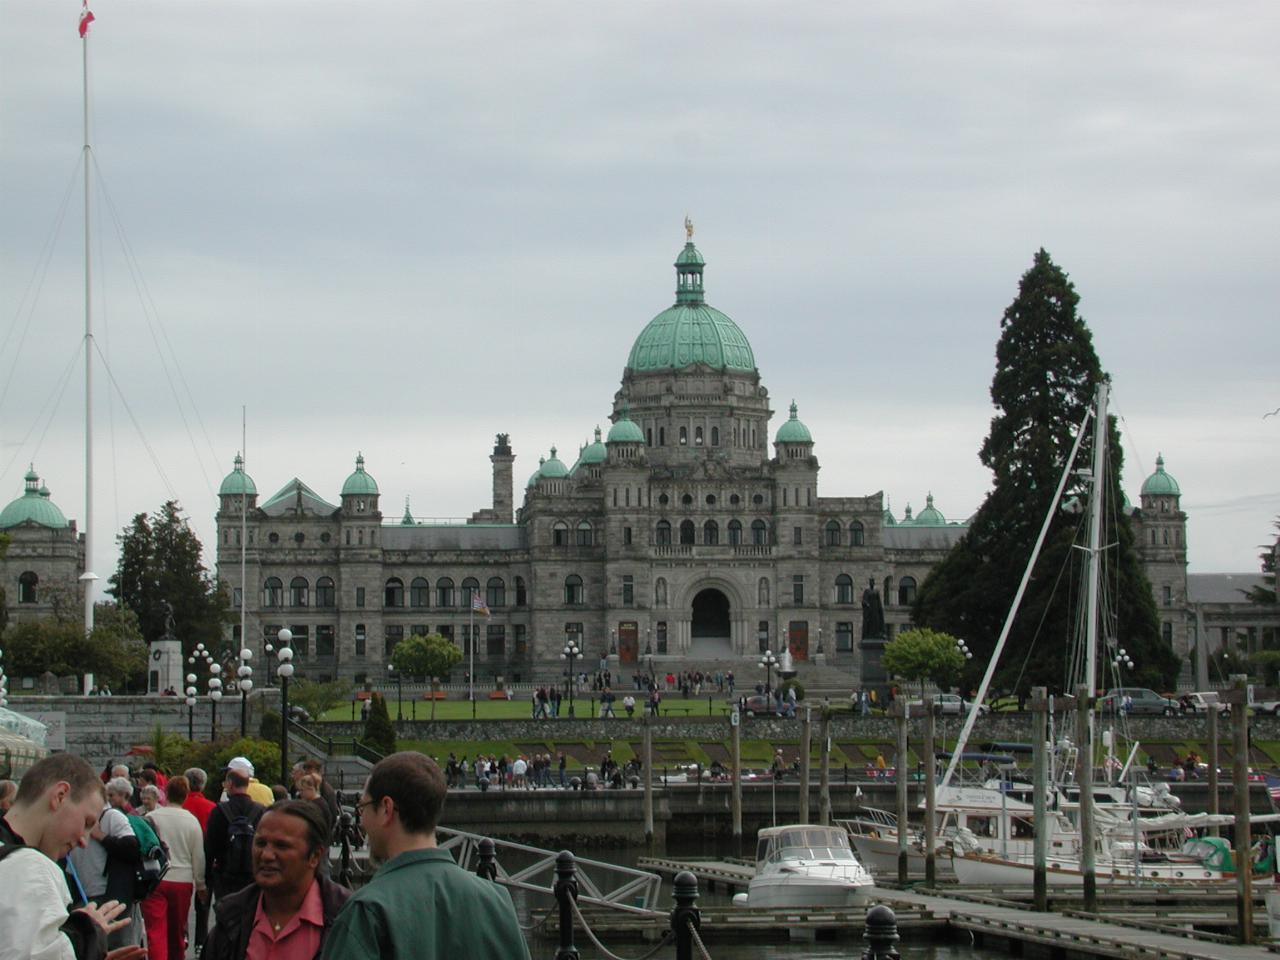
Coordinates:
(259, 791)
(228, 839)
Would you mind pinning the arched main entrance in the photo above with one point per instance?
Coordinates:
(709, 631)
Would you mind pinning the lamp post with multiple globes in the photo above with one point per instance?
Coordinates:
(191, 693)
(570, 653)
(768, 661)
(215, 694)
(284, 654)
(245, 674)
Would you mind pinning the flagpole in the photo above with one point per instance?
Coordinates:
(471, 648)
(88, 350)
(244, 525)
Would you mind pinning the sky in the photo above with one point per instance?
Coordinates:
(401, 228)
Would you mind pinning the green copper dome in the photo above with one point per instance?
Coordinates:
(793, 431)
(237, 482)
(554, 468)
(533, 480)
(1160, 483)
(407, 520)
(930, 516)
(906, 520)
(593, 453)
(690, 332)
(889, 519)
(34, 506)
(360, 483)
(625, 430)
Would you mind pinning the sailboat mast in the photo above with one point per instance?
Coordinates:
(1095, 538)
(244, 526)
(88, 578)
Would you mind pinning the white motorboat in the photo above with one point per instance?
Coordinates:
(803, 865)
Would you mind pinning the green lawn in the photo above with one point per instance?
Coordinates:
(521, 709)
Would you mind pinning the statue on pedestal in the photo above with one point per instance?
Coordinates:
(872, 613)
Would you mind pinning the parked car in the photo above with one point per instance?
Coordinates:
(1201, 702)
(757, 704)
(947, 704)
(1141, 702)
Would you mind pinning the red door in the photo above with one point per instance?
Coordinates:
(628, 641)
(798, 639)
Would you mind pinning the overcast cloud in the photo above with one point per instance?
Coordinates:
(400, 228)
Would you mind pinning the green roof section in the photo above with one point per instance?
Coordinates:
(1160, 483)
(34, 506)
(691, 331)
(533, 480)
(237, 482)
(554, 467)
(593, 453)
(407, 520)
(360, 483)
(793, 431)
(293, 494)
(930, 516)
(625, 430)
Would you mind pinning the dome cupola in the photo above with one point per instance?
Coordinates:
(594, 453)
(554, 468)
(34, 506)
(360, 484)
(793, 431)
(237, 482)
(930, 516)
(1160, 484)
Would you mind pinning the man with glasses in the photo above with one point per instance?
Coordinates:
(420, 904)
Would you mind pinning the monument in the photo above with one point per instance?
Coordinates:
(164, 665)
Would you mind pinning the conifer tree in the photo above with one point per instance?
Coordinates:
(1046, 376)
(379, 732)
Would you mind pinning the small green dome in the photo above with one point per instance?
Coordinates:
(889, 519)
(34, 506)
(930, 516)
(237, 482)
(407, 520)
(554, 468)
(793, 431)
(1160, 483)
(906, 520)
(690, 332)
(533, 480)
(593, 453)
(360, 484)
(625, 430)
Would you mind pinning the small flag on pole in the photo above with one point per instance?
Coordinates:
(478, 604)
(86, 18)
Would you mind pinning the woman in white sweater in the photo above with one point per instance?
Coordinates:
(165, 911)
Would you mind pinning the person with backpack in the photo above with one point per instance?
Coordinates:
(57, 805)
(165, 910)
(228, 841)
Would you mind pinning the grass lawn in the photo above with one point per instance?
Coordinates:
(521, 709)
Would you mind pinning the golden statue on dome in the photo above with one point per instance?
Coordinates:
(688, 228)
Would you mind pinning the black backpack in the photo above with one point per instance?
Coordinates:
(241, 827)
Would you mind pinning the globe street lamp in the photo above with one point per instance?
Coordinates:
(768, 661)
(191, 692)
(284, 653)
(245, 673)
(215, 694)
(570, 653)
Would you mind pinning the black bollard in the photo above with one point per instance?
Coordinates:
(685, 917)
(881, 934)
(346, 833)
(566, 891)
(487, 868)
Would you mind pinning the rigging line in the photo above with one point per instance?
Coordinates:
(1035, 635)
(100, 276)
(60, 387)
(155, 461)
(30, 296)
(144, 295)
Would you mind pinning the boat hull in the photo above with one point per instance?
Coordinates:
(792, 891)
(880, 855)
(980, 870)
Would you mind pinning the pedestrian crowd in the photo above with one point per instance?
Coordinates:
(108, 866)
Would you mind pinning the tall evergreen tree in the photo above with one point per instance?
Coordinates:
(160, 561)
(1046, 376)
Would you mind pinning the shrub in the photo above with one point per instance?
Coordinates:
(379, 732)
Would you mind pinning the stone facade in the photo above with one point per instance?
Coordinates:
(41, 569)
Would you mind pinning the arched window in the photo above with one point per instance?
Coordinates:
(419, 593)
(470, 587)
(759, 533)
(906, 591)
(298, 590)
(762, 592)
(393, 593)
(844, 588)
(660, 592)
(684, 436)
(697, 436)
(857, 535)
(522, 596)
(325, 592)
(711, 533)
(495, 593)
(273, 592)
(832, 534)
(584, 534)
(573, 593)
(560, 534)
(686, 531)
(663, 533)
(444, 592)
(715, 436)
(27, 587)
(735, 532)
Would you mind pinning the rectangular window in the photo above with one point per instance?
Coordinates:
(662, 636)
(300, 639)
(419, 630)
(446, 630)
(797, 536)
(359, 596)
(628, 591)
(521, 639)
(626, 536)
(465, 630)
(324, 640)
(762, 635)
(844, 637)
(1166, 633)
(237, 597)
(496, 640)
(392, 634)
(360, 640)
(1168, 595)
(797, 588)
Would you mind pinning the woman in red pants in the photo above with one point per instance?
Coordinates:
(165, 911)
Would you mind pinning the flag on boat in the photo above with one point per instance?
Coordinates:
(1273, 787)
(86, 18)
(477, 603)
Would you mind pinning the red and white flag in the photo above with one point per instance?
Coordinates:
(86, 18)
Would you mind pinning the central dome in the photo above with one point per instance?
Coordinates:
(690, 332)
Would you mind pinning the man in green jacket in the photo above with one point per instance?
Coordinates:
(420, 904)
